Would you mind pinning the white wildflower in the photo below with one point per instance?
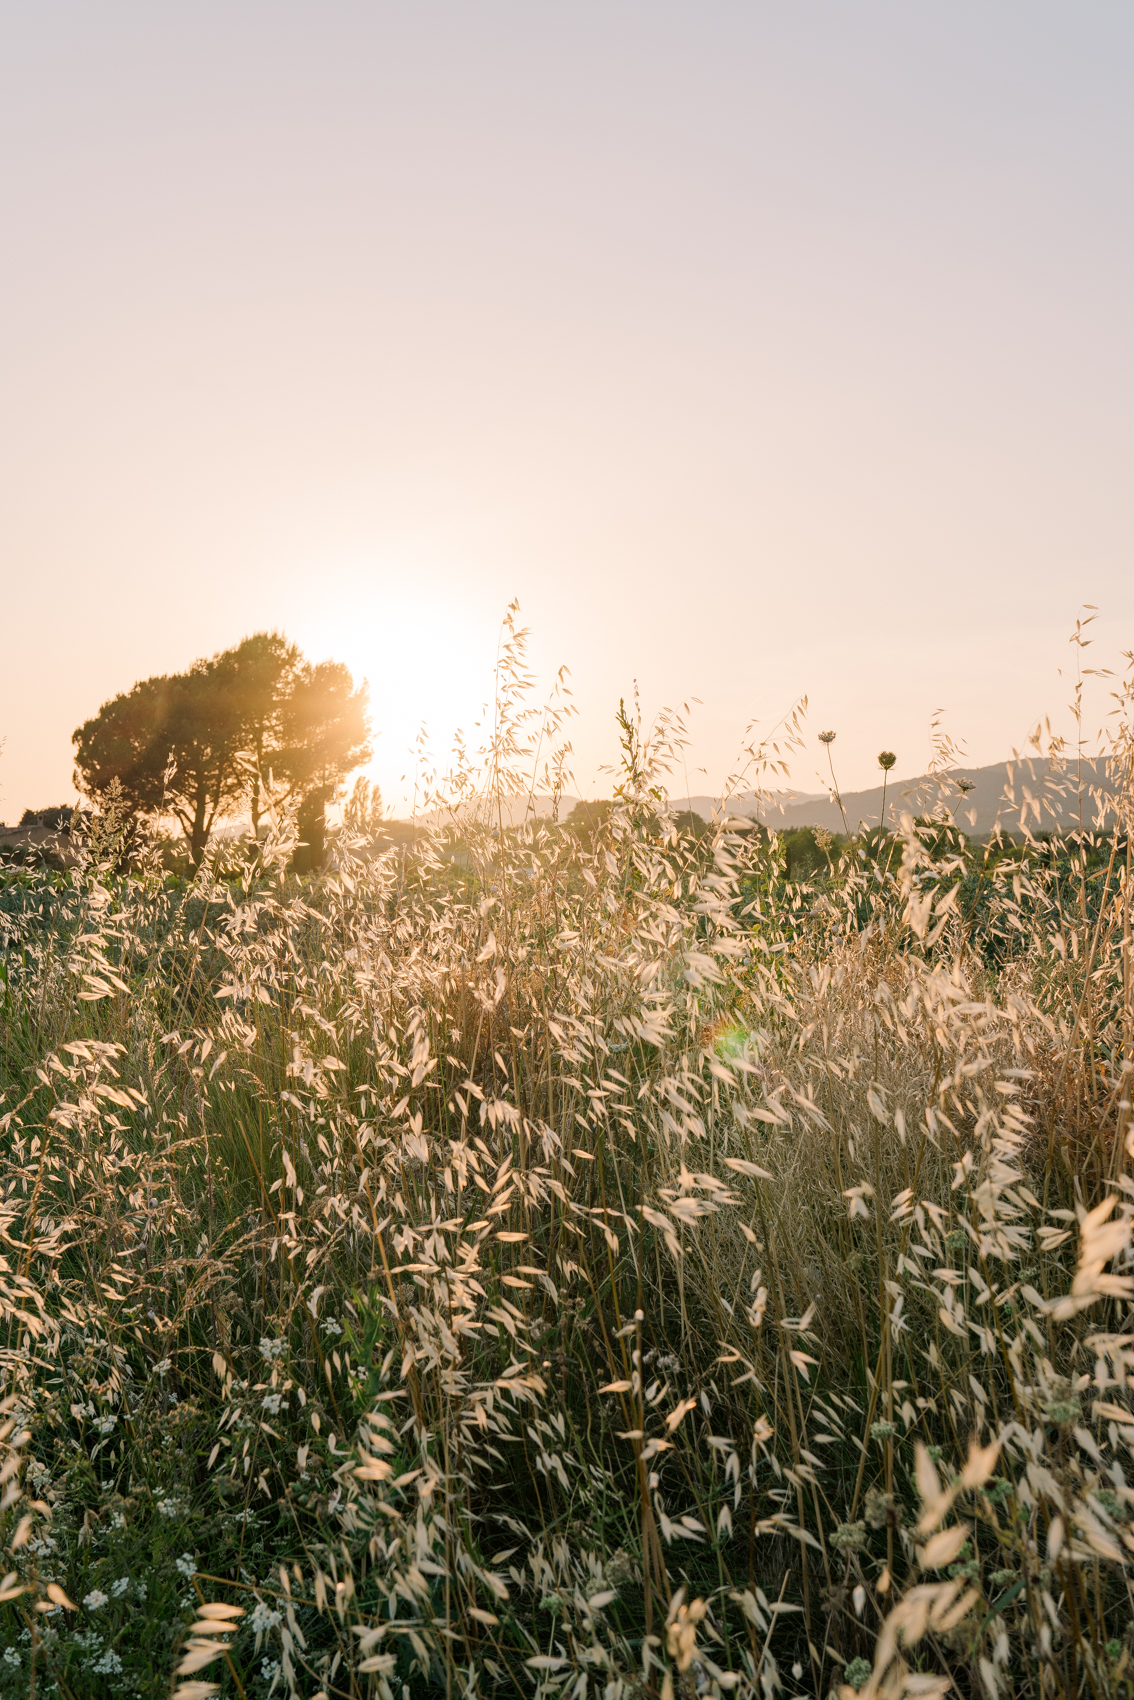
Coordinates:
(262, 1620)
(187, 1565)
(95, 1600)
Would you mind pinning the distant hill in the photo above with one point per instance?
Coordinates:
(1008, 792)
(517, 809)
(1034, 789)
(747, 803)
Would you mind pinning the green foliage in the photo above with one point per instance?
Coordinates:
(172, 745)
(254, 723)
(58, 819)
(803, 856)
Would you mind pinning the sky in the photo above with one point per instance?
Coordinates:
(759, 350)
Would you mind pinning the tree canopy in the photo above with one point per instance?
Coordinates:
(254, 725)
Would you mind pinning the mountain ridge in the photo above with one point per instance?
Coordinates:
(1034, 791)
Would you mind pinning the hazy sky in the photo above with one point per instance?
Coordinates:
(759, 349)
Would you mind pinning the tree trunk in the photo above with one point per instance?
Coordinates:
(199, 836)
(310, 850)
(256, 782)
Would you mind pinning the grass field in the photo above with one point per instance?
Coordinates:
(603, 1267)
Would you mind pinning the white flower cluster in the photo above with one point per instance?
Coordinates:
(262, 1620)
(271, 1349)
(95, 1600)
(187, 1565)
(272, 1403)
(169, 1507)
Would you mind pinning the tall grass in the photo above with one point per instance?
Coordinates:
(598, 1267)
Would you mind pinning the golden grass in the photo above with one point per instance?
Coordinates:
(599, 1268)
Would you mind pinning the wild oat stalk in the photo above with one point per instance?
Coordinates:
(520, 1263)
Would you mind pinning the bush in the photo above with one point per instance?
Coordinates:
(59, 819)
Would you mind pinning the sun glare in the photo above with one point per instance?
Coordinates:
(427, 651)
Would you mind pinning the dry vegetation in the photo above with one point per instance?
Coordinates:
(604, 1268)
